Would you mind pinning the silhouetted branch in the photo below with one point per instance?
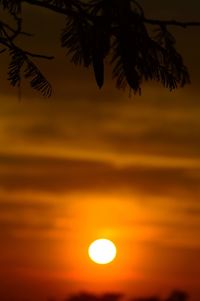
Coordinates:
(67, 11)
(71, 9)
(61, 10)
(170, 23)
(20, 59)
(8, 42)
(98, 29)
(14, 31)
(40, 56)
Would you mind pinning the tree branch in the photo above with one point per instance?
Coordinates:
(79, 10)
(64, 11)
(14, 31)
(170, 23)
(41, 56)
(8, 42)
(93, 29)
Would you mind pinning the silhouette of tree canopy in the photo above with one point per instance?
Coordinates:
(139, 49)
(84, 296)
(147, 299)
(176, 295)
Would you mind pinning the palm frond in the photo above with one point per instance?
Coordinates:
(20, 65)
(100, 49)
(76, 38)
(13, 6)
(138, 57)
(87, 43)
(14, 69)
(172, 59)
(101, 36)
(37, 79)
(124, 70)
(62, 3)
(98, 63)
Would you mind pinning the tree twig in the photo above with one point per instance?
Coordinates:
(170, 23)
(5, 25)
(8, 42)
(41, 56)
(63, 11)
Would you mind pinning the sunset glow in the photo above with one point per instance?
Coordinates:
(90, 177)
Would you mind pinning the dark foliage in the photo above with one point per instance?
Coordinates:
(13, 6)
(92, 297)
(138, 49)
(176, 295)
(21, 65)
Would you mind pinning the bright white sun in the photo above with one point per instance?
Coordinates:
(102, 251)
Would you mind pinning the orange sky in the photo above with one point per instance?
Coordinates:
(88, 164)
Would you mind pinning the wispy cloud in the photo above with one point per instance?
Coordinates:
(48, 174)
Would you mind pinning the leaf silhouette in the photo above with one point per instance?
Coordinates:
(36, 78)
(76, 37)
(17, 61)
(139, 49)
(13, 6)
(100, 49)
(30, 71)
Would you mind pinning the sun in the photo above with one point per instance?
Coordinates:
(102, 251)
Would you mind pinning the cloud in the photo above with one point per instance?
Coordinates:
(24, 205)
(31, 222)
(43, 130)
(58, 175)
(193, 211)
(160, 125)
(35, 192)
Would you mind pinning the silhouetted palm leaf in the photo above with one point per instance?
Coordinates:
(17, 61)
(97, 29)
(36, 78)
(76, 37)
(138, 57)
(98, 55)
(101, 35)
(14, 6)
(63, 4)
(100, 49)
(126, 47)
(87, 43)
(21, 65)
(172, 59)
